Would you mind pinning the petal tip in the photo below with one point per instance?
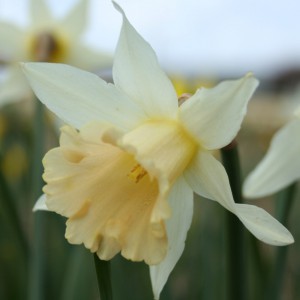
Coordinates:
(250, 75)
(248, 192)
(117, 7)
(285, 241)
(291, 240)
(253, 187)
(40, 204)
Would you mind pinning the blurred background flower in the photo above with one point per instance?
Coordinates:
(45, 38)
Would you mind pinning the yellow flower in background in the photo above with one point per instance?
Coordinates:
(130, 158)
(281, 164)
(61, 37)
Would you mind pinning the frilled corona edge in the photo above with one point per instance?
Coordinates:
(115, 197)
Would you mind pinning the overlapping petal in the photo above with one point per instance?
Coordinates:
(89, 182)
(215, 115)
(136, 71)
(280, 166)
(169, 149)
(181, 202)
(208, 178)
(78, 97)
(163, 150)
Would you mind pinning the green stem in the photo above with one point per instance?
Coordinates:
(103, 278)
(237, 288)
(260, 267)
(73, 276)
(284, 204)
(37, 258)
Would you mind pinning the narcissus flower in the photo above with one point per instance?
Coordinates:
(130, 158)
(281, 164)
(63, 41)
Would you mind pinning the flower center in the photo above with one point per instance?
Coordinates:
(162, 149)
(137, 173)
(48, 47)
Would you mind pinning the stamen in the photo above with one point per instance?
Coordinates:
(137, 173)
(47, 47)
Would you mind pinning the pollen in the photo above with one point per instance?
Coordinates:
(137, 173)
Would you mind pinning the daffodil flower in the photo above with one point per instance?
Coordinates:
(61, 37)
(130, 158)
(281, 164)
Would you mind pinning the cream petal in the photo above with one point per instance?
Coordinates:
(78, 97)
(75, 21)
(279, 167)
(163, 148)
(181, 202)
(89, 182)
(263, 226)
(40, 204)
(136, 71)
(88, 59)
(14, 87)
(208, 178)
(11, 42)
(40, 13)
(214, 116)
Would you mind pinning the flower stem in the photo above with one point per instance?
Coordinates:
(37, 255)
(103, 278)
(284, 204)
(235, 235)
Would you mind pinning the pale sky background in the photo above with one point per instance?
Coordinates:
(210, 37)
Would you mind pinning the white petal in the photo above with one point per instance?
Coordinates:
(11, 42)
(181, 202)
(136, 71)
(79, 97)
(40, 13)
(208, 178)
(76, 20)
(280, 166)
(41, 204)
(86, 58)
(263, 225)
(13, 86)
(214, 116)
